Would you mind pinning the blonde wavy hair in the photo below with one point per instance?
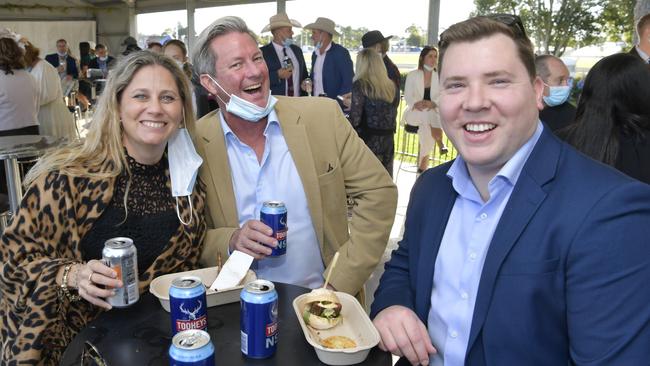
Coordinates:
(101, 155)
(373, 77)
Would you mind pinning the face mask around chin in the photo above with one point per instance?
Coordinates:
(557, 95)
(245, 109)
(287, 42)
(427, 67)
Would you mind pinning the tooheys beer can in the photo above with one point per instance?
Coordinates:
(274, 214)
(120, 254)
(191, 348)
(259, 319)
(187, 304)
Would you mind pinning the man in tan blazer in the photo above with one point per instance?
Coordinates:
(324, 161)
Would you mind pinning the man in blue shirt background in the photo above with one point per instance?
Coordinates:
(538, 255)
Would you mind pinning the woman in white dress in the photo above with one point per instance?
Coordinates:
(53, 116)
(421, 94)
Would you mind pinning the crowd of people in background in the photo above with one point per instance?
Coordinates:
(534, 237)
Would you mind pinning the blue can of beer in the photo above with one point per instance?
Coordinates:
(259, 319)
(187, 304)
(191, 348)
(274, 214)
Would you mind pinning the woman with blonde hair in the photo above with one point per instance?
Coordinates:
(124, 180)
(421, 114)
(374, 106)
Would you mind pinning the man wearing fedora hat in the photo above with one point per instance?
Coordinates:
(287, 68)
(331, 65)
(375, 40)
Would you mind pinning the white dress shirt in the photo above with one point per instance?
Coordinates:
(279, 50)
(318, 72)
(275, 178)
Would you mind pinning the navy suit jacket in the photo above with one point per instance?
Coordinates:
(71, 64)
(274, 64)
(337, 71)
(566, 274)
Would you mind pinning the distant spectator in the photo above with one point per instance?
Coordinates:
(421, 115)
(65, 64)
(130, 44)
(376, 41)
(642, 48)
(286, 64)
(558, 112)
(374, 106)
(19, 99)
(155, 47)
(177, 50)
(331, 65)
(53, 116)
(613, 117)
(103, 61)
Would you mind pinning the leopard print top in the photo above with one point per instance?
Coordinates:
(55, 214)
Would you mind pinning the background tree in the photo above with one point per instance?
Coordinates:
(618, 20)
(553, 24)
(415, 38)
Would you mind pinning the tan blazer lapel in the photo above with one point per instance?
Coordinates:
(219, 171)
(298, 143)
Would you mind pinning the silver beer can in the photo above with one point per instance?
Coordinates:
(120, 255)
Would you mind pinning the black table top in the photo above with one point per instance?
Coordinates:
(141, 335)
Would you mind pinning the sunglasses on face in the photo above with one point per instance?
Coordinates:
(512, 21)
(90, 356)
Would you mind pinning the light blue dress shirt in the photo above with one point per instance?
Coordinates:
(275, 178)
(462, 254)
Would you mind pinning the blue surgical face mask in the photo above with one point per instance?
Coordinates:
(245, 109)
(557, 95)
(287, 42)
(319, 44)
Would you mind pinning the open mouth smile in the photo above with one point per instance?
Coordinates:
(479, 127)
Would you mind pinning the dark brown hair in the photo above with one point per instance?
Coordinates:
(425, 51)
(11, 56)
(482, 27)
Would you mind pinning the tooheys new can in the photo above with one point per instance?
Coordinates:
(187, 304)
(120, 254)
(274, 214)
(191, 348)
(259, 319)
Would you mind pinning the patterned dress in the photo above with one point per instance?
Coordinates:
(374, 121)
(58, 215)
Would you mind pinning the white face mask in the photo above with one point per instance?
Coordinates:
(179, 63)
(245, 109)
(61, 54)
(103, 58)
(427, 67)
(184, 165)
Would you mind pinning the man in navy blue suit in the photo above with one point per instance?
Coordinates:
(522, 251)
(285, 62)
(331, 65)
(65, 64)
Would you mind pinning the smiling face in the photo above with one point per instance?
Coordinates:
(151, 110)
(240, 70)
(488, 103)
